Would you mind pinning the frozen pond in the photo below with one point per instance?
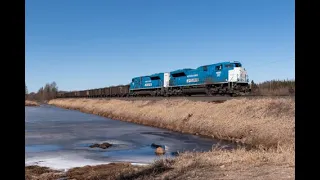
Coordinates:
(59, 138)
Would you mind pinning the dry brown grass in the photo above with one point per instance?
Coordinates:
(220, 164)
(30, 103)
(110, 171)
(235, 164)
(258, 122)
(40, 173)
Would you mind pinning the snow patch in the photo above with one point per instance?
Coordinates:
(66, 162)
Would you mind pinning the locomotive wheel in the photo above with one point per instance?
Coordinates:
(233, 94)
(208, 92)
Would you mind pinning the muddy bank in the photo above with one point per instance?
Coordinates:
(217, 164)
(258, 122)
(31, 103)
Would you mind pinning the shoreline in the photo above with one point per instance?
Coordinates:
(31, 103)
(260, 123)
(266, 124)
(216, 164)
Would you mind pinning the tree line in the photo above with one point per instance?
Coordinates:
(47, 92)
(274, 87)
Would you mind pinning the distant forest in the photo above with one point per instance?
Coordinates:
(46, 93)
(274, 87)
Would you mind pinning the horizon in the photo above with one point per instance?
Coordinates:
(86, 45)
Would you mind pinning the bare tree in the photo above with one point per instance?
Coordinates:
(48, 92)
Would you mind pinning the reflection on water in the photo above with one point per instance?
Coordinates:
(55, 133)
(41, 148)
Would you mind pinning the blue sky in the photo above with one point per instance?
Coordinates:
(83, 44)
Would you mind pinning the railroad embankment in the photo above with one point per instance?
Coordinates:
(31, 103)
(268, 125)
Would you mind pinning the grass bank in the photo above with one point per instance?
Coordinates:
(266, 124)
(31, 103)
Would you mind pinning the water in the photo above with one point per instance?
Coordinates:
(59, 138)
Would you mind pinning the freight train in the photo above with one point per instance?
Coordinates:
(224, 78)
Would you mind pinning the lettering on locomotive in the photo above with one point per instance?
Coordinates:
(193, 80)
(193, 75)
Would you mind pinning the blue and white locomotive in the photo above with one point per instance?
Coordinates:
(219, 78)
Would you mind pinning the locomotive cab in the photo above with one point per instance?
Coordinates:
(238, 79)
(237, 73)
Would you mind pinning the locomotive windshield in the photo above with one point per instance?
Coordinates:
(237, 65)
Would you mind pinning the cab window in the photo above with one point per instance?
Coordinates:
(218, 68)
(237, 64)
(205, 68)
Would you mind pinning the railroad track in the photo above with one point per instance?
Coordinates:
(193, 98)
